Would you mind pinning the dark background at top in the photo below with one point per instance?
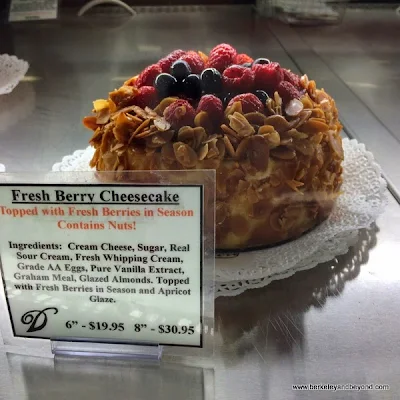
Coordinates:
(208, 2)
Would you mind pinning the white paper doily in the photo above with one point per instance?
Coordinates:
(364, 198)
(12, 70)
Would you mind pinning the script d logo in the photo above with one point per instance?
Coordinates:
(37, 319)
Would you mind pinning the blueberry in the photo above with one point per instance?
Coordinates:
(211, 81)
(262, 95)
(247, 65)
(262, 61)
(191, 86)
(166, 85)
(228, 97)
(180, 70)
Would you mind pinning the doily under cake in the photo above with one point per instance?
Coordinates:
(364, 198)
(12, 70)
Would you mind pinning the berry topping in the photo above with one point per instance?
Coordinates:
(238, 78)
(262, 95)
(241, 59)
(191, 86)
(166, 62)
(180, 69)
(221, 57)
(211, 81)
(166, 85)
(147, 96)
(228, 98)
(179, 113)
(267, 76)
(250, 102)
(212, 106)
(203, 56)
(287, 91)
(261, 61)
(194, 60)
(291, 77)
(148, 76)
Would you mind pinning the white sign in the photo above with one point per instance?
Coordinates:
(110, 262)
(26, 10)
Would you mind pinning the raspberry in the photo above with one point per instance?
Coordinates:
(291, 77)
(225, 47)
(287, 91)
(267, 76)
(250, 102)
(239, 79)
(147, 96)
(194, 60)
(179, 113)
(242, 59)
(166, 62)
(221, 57)
(148, 75)
(212, 106)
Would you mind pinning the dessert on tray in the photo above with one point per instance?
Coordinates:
(272, 137)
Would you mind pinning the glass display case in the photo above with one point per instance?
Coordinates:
(306, 289)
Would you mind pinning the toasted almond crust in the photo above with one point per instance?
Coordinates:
(277, 176)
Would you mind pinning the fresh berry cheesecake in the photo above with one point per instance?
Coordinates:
(272, 137)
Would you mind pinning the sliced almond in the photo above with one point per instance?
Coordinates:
(123, 128)
(212, 149)
(295, 134)
(203, 120)
(167, 153)
(229, 131)
(278, 122)
(96, 136)
(283, 153)
(240, 124)
(185, 155)
(139, 129)
(103, 116)
(159, 139)
(313, 126)
(186, 134)
(273, 139)
(258, 152)
(221, 148)
(162, 124)
(265, 129)
(228, 146)
(90, 123)
(203, 152)
(164, 104)
(199, 136)
(270, 106)
(235, 107)
(304, 147)
(150, 112)
(256, 118)
(318, 113)
(335, 141)
(241, 150)
(148, 131)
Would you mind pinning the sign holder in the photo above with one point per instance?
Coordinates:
(108, 264)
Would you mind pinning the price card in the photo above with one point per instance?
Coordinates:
(104, 261)
(27, 10)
